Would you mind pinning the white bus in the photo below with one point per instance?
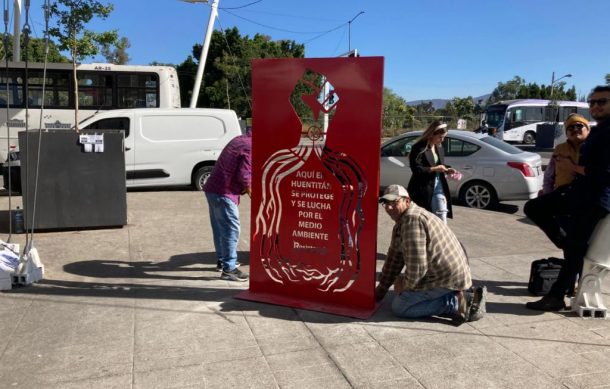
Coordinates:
(516, 120)
(100, 87)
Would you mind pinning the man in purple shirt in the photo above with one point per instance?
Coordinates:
(231, 178)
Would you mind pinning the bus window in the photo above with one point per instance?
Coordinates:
(565, 112)
(534, 114)
(584, 112)
(137, 90)
(514, 118)
(14, 78)
(494, 116)
(518, 114)
(56, 91)
(95, 90)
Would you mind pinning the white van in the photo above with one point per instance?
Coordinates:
(169, 146)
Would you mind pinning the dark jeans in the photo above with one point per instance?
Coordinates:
(584, 213)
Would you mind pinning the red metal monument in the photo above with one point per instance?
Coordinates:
(316, 140)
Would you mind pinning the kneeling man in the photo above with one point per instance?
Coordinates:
(436, 280)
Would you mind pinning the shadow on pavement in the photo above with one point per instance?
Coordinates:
(185, 267)
(504, 288)
(125, 290)
(186, 263)
(505, 208)
(510, 209)
(202, 267)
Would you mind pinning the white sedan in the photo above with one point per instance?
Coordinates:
(492, 170)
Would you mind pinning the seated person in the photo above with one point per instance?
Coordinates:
(563, 165)
(585, 200)
(437, 274)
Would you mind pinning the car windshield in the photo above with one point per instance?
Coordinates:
(494, 116)
(507, 148)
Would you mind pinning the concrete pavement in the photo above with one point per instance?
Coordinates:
(143, 307)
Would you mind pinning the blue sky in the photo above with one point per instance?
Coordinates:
(432, 49)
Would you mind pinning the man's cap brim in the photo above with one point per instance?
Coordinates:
(389, 197)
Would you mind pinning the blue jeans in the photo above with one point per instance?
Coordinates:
(439, 201)
(413, 304)
(224, 217)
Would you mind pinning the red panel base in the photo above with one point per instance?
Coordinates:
(309, 305)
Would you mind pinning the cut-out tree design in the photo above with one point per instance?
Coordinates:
(328, 174)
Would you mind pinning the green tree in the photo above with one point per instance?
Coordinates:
(70, 31)
(425, 108)
(608, 78)
(226, 80)
(396, 113)
(117, 54)
(517, 88)
(35, 50)
(464, 106)
(507, 90)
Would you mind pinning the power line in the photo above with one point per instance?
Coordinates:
(324, 33)
(243, 6)
(282, 29)
(339, 43)
(241, 82)
(314, 18)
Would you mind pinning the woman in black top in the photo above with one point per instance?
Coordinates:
(428, 185)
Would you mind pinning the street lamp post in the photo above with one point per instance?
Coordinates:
(349, 31)
(204, 49)
(554, 81)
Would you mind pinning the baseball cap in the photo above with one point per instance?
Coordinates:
(393, 192)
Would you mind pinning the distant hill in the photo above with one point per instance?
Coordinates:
(440, 103)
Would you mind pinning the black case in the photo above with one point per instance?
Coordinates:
(543, 274)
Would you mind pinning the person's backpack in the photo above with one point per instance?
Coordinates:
(543, 274)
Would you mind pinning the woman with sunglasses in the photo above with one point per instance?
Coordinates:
(563, 165)
(428, 186)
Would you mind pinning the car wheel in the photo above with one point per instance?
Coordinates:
(529, 138)
(478, 194)
(201, 176)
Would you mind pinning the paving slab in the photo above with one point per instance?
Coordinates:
(143, 307)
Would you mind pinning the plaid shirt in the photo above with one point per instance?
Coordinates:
(232, 173)
(432, 254)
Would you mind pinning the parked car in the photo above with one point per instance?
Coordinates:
(492, 170)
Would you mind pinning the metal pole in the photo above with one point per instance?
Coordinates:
(553, 81)
(17, 31)
(204, 54)
(349, 31)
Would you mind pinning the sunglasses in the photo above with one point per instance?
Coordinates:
(390, 204)
(601, 102)
(575, 127)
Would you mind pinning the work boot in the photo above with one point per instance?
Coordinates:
(462, 315)
(478, 307)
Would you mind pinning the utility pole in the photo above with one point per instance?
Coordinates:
(553, 81)
(204, 49)
(17, 30)
(349, 31)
